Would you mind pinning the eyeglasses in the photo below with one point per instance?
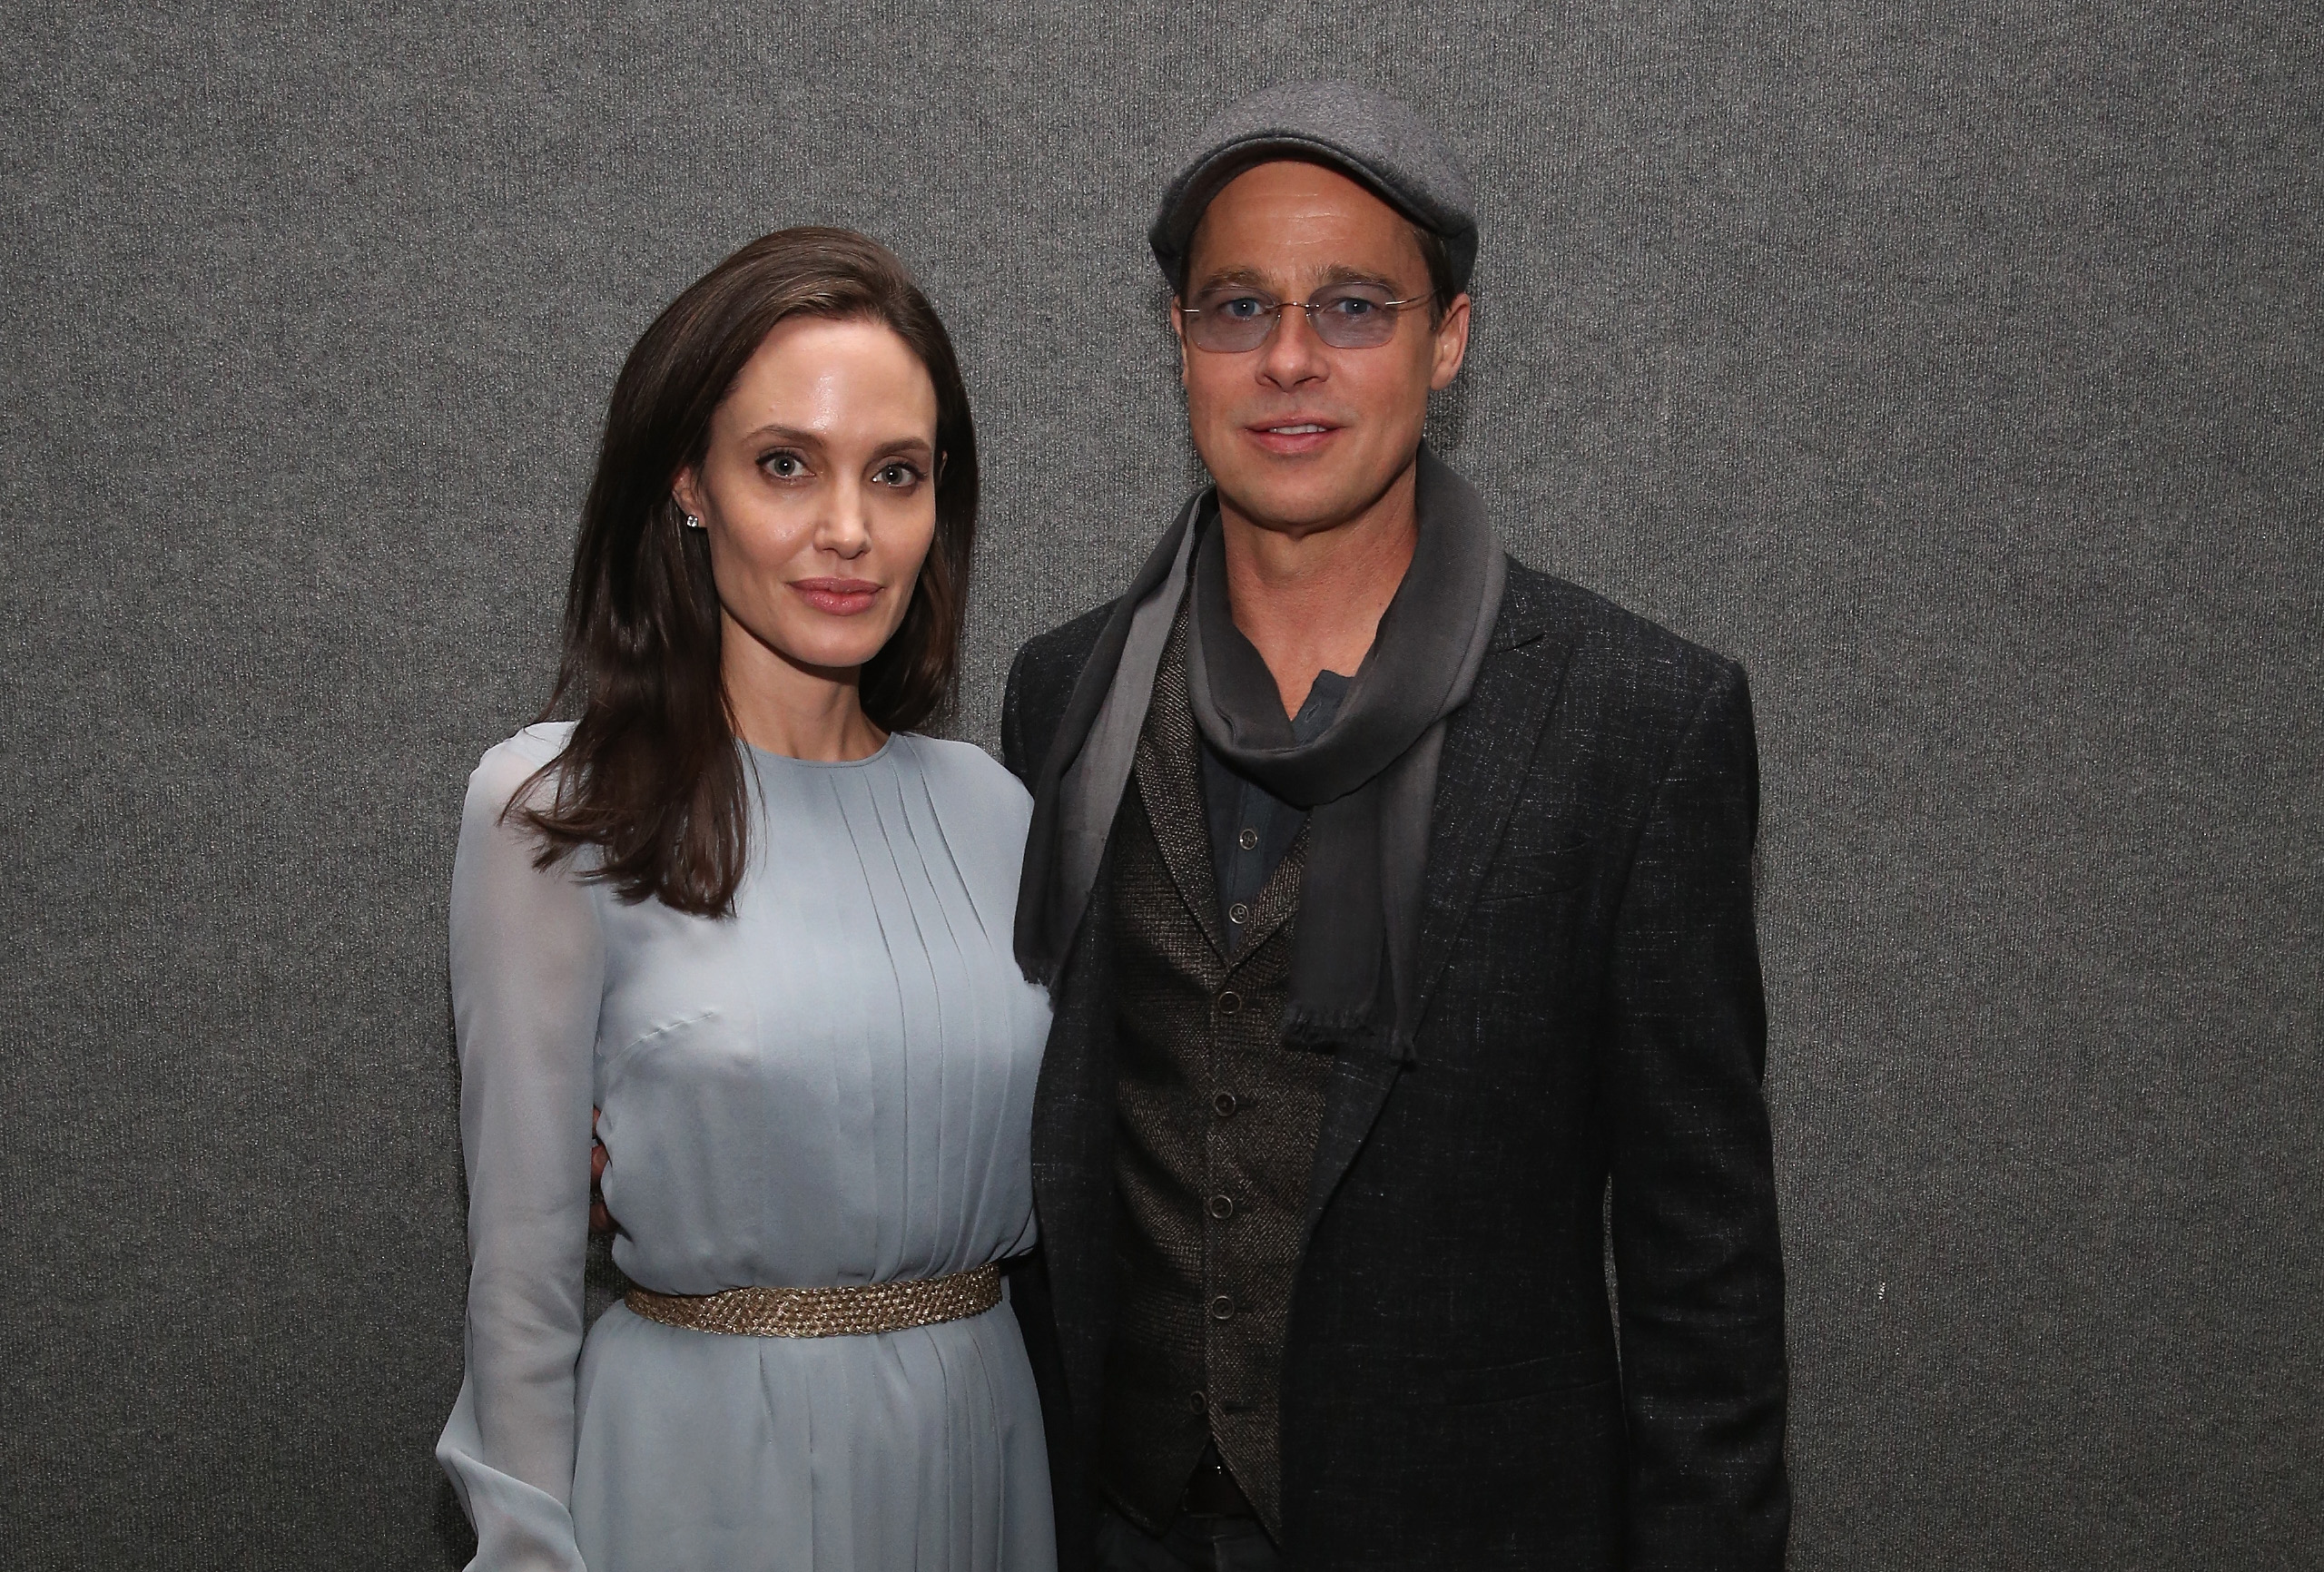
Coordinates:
(1346, 317)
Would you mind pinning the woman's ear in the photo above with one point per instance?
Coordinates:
(685, 490)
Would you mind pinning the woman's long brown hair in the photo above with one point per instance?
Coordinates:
(652, 776)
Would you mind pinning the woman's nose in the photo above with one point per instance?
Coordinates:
(845, 530)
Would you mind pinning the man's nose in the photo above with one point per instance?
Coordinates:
(1292, 354)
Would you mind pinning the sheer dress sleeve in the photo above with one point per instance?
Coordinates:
(528, 974)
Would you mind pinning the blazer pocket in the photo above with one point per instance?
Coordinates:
(1535, 875)
(1528, 1378)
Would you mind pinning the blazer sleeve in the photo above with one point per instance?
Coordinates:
(1699, 1270)
(1012, 723)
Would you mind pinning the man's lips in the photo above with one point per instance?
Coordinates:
(1293, 434)
(842, 597)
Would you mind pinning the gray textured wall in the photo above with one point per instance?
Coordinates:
(1955, 364)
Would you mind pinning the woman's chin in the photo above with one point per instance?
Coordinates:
(839, 658)
(812, 642)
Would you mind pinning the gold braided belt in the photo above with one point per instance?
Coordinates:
(839, 1311)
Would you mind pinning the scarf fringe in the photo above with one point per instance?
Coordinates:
(1330, 1031)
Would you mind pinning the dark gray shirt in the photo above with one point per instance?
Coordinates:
(1250, 826)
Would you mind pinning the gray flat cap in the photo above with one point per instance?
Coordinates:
(1365, 135)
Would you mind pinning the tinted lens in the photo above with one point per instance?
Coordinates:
(1353, 318)
(1347, 317)
(1231, 323)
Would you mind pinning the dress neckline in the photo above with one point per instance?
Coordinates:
(787, 760)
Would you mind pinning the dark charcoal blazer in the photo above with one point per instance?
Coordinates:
(1453, 1394)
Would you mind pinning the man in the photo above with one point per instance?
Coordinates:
(1394, 899)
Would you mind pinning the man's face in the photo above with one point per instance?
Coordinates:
(1301, 435)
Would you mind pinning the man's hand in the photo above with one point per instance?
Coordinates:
(600, 1220)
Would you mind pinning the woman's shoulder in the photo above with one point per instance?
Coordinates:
(507, 765)
(963, 774)
(981, 810)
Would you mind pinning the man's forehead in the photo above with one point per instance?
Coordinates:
(1288, 214)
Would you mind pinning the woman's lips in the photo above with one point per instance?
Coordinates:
(842, 597)
(1290, 437)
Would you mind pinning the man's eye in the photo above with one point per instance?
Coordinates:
(1242, 309)
(1350, 306)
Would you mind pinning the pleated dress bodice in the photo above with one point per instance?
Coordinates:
(835, 1085)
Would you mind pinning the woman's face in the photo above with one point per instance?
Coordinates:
(819, 491)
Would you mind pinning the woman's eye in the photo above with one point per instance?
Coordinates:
(784, 465)
(898, 474)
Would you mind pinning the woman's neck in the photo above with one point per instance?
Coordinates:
(799, 711)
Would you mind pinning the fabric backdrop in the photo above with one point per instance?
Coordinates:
(1953, 364)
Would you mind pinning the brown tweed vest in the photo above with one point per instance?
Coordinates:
(1217, 1123)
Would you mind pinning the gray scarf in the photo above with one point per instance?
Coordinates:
(1368, 782)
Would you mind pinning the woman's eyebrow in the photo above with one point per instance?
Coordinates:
(774, 431)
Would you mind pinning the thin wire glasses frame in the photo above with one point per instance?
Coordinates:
(1214, 329)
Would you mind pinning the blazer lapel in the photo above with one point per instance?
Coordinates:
(1488, 747)
(1353, 1098)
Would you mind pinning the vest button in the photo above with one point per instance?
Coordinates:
(1222, 1309)
(1248, 841)
(1224, 1105)
(1222, 1207)
(1238, 914)
(1200, 1402)
(1229, 1002)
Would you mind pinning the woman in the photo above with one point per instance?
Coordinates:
(741, 908)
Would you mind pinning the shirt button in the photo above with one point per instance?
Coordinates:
(1229, 1002)
(1222, 1309)
(1238, 914)
(1199, 1402)
(1225, 1105)
(1248, 841)
(1222, 1207)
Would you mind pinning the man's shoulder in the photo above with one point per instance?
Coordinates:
(1042, 676)
(1062, 652)
(1611, 644)
(1041, 683)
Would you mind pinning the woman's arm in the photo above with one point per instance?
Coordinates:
(527, 973)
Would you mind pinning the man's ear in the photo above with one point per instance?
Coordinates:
(1178, 329)
(1452, 344)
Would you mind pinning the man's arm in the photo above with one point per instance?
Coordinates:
(1697, 1260)
(600, 1220)
(1012, 722)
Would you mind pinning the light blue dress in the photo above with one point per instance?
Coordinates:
(834, 1086)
